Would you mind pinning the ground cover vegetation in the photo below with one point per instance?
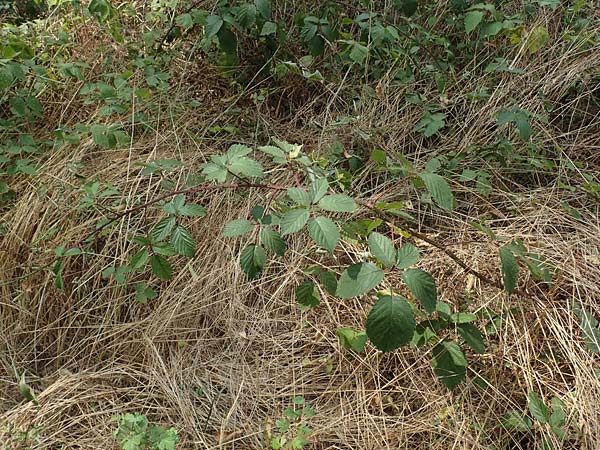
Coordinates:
(260, 224)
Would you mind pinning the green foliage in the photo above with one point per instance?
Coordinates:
(292, 431)
(391, 323)
(589, 328)
(510, 269)
(135, 433)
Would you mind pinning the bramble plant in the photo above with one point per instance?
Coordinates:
(134, 433)
(292, 430)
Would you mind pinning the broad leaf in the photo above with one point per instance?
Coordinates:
(408, 255)
(352, 339)
(307, 295)
(237, 227)
(589, 328)
(382, 248)
(264, 8)
(293, 220)
(390, 323)
(449, 363)
(439, 190)
(213, 25)
(299, 196)
(515, 420)
(329, 282)
(324, 232)
(273, 241)
(253, 260)
(337, 203)
(472, 20)
(318, 189)
(183, 242)
(510, 270)
(162, 229)
(161, 267)
(422, 285)
(472, 336)
(358, 279)
(537, 408)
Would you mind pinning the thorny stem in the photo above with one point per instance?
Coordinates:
(208, 187)
(204, 187)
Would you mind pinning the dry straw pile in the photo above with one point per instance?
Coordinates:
(220, 358)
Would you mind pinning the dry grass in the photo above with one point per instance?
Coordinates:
(219, 357)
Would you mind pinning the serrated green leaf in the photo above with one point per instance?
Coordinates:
(163, 229)
(253, 260)
(472, 20)
(164, 248)
(337, 203)
(537, 408)
(264, 8)
(161, 267)
(139, 260)
(352, 339)
(449, 363)
(463, 317)
(268, 29)
(472, 336)
(273, 241)
(510, 270)
(390, 323)
(359, 279)
(191, 210)
(422, 285)
(278, 155)
(589, 328)
(293, 221)
(382, 248)
(247, 167)
(183, 241)
(213, 25)
(237, 227)
(329, 281)
(439, 190)
(307, 295)
(324, 232)
(514, 420)
(407, 255)
(299, 196)
(317, 189)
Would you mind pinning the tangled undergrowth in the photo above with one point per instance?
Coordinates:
(150, 150)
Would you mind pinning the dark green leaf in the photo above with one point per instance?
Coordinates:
(337, 203)
(352, 339)
(139, 260)
(382, 248)
(227, 41)
(161, 267)
(439, 190)
(514, 420)
(307, 295)
(510, 270)
(253, 260)
(273, 241)
(237, 227)
(589, 328)
(318, 189)
(293, 220)
(264, 8)
(449, 363)
(390, 323)
(472, 20)
(299, 196)
(324, 232)
(162, 229)
(183, 242)
(358, 279)
(408, 255)
(213, 25)
(422, 285)
(268, 29)
(537, 408)
(472, 336)
(329, 281)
